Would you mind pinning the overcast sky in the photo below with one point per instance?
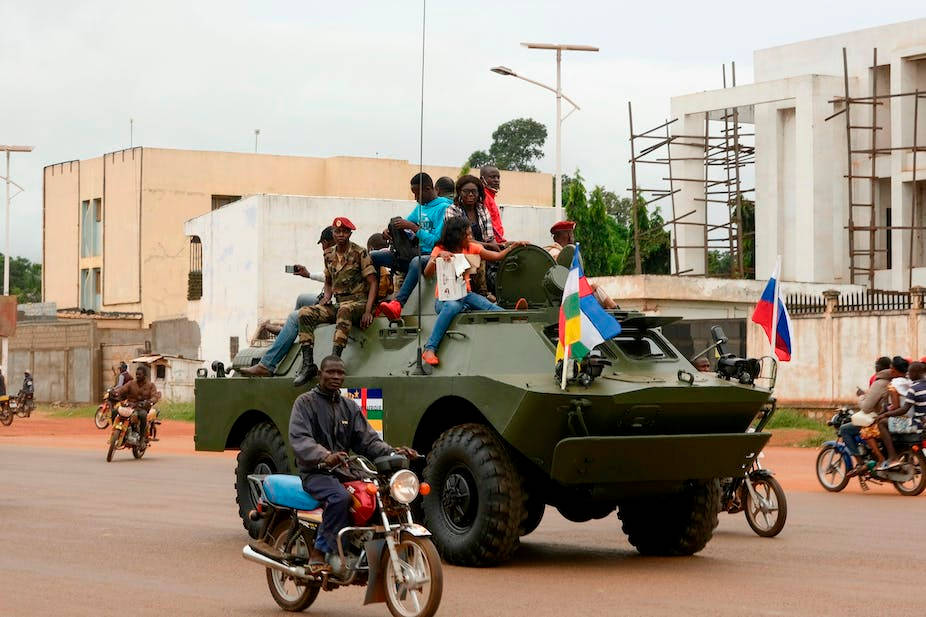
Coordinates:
(342, 78)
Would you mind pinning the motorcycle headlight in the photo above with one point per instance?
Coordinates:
(404, 486)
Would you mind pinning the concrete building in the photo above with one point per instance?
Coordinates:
(113, 225)
(245, 246)
(802, 159)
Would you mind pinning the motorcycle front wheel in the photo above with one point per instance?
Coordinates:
(917, 482)
(765, 515)
(832, 471)
(114, 440)
(289, 594)
(419, 595)
(101, 417)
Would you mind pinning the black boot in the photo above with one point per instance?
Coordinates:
(308, 370)
(337, 349)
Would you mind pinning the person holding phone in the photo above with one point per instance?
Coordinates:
(286, 336)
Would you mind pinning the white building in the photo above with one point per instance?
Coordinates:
(246, 245)
(801, 159)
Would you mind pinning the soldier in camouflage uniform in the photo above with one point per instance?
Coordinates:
(349, 277)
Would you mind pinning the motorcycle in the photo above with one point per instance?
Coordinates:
(22, 405)
(835, 461)
(757, 493)
(104, 412)
(125, 433)
(392, 556)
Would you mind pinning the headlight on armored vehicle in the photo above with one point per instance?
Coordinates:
(404, 486)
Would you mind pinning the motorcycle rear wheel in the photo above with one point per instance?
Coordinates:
(917, 483)
(832, 471)
(139, 451)
(419, 557)
(766, 524)
(6, 416)
(101, 417)
(289, 595)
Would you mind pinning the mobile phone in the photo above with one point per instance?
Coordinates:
(290, 269)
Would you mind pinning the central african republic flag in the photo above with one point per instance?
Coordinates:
(583, 323)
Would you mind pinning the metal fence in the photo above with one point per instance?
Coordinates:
(874, 300)
(805, 304)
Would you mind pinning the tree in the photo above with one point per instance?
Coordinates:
(654, 241)
(516, 144)
(603, 241)
(25, 279)
(720, 263)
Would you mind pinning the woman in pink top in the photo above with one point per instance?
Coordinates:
(457, 238)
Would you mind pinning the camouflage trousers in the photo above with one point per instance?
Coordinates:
(343, 315)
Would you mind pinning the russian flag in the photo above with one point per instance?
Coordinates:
(772, 314)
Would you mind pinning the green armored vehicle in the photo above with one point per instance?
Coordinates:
(637, 429)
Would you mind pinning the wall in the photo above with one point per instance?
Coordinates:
(176, 337)
(61, 240)
(62, 358)
(247, 244)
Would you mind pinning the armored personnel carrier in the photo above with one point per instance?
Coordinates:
(637, 429)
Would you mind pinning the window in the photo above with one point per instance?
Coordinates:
(160, 371)
(90, 288)
(219, 201)
(643, 346)
(91, 227)
(195, 278)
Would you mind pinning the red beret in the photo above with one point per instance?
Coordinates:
(562, 226)
(343, 221)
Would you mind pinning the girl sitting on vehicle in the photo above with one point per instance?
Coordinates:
(457, 238)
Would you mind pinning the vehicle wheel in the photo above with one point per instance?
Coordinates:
(832, 472)
(915, 485)
(476, 504)
(288, 594)
(262, 451)
(139, 451)
(113, 440)
(767, 518)
(420, 561)
(675, 524)
(6, 416)
(101, 418)
(584, 511)
(534, 507)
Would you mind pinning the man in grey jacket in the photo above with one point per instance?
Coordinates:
(323, 427)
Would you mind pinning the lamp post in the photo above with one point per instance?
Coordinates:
(6, 251)
(558, 91)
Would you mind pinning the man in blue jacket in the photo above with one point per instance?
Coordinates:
(426, 222)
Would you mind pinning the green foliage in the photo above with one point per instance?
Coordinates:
(654, 241)
(167, 411)
(516, 144)
(791, 418)
(25, 279)
(720, 263)
(604, 242)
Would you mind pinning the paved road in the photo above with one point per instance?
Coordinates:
(161, 537)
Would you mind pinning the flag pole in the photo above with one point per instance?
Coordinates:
(565, 365)
(774, 337)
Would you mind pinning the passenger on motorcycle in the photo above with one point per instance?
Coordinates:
(323, 427)
(906, 417)
(871, 402)
(28, 386)
(139, 395)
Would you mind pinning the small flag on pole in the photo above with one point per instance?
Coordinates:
(772, 314)
(583, 323)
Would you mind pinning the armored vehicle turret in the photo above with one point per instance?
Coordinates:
(637, 430)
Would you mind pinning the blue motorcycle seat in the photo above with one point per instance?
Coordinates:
(286, 491)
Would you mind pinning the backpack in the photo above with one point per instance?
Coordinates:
(404, 248)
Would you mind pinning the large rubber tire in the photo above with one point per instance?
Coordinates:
(101, 417)
(262, 451)
(918, 483)
(476, 504)
(113, 440)
(584, 511)
(768, 488)
(138, 451)
(675, 524)
(286, 593)
(832, 473)
(6, 416)
(422, 553)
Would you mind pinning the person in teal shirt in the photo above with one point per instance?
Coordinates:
(426, 222)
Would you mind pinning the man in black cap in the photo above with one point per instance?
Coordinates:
(286, 335)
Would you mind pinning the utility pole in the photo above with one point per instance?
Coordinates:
(5, 347)
(256, 135)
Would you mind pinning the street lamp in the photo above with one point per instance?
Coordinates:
(558, 91)
(6, 251)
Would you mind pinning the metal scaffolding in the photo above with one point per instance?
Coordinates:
(863, 248)
(726, 151)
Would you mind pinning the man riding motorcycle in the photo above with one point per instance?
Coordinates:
(139, 395)
(322, 428)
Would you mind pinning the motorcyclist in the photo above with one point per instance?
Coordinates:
(28, 386)
(124, 375)
(139, 395)
(323, 427)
